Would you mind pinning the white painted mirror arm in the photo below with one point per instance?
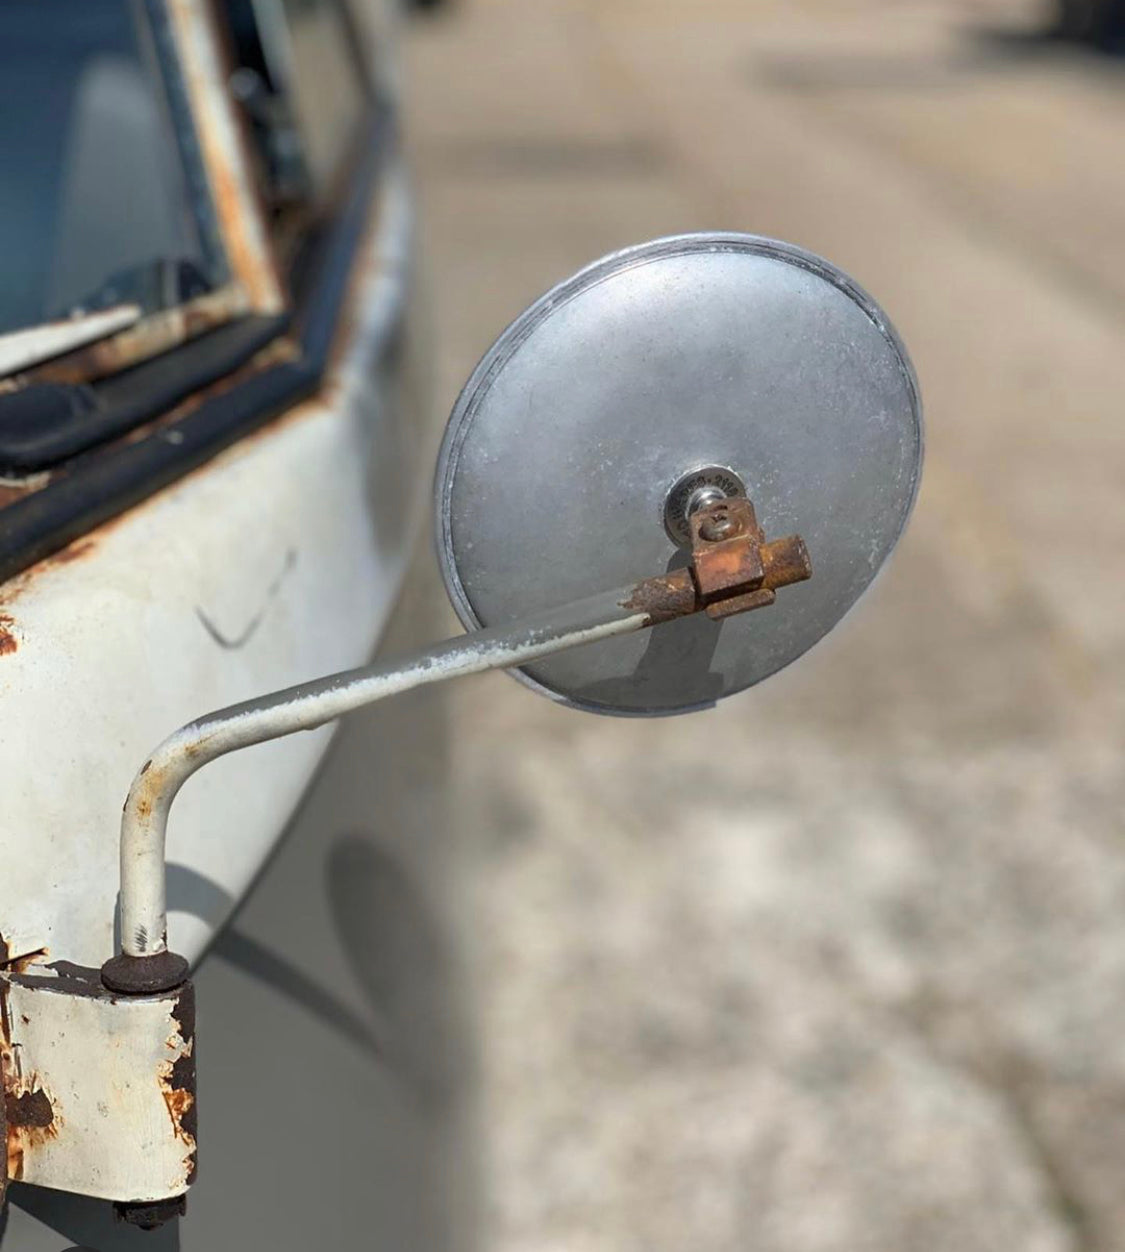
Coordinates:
(732, 570)
(145, 965)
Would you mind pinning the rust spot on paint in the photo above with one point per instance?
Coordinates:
(28, 1108)
(177, 1078)
(179, 1102)
(32, 1118)
(8, 642)
(20, 964)
(32, 1109)
(74, 552)
(79, 549)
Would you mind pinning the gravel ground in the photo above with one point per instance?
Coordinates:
(838, 965)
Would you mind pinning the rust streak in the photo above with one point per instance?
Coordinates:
(179, 1102)
(75, 551)
(665, 597)
(177, 1078)
(224, 153)
(20, 964)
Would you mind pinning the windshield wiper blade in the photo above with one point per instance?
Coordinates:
(21, 349)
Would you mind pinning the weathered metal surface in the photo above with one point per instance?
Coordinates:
(784, 562)
(22, 349)
(713, 352)
(735, 570)
(225, 154)
(145, 975)
(154, 333)
(8, 641)
(99, 1091)
(665, 597)
(726, 548)
(318, 571)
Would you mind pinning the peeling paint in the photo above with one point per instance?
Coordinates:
(32, 1123)
(81, 1114)
(177, 1076)
(29, 1111)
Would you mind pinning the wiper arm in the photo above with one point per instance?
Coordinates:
(21, 349)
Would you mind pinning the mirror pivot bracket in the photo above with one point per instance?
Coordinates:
(734, 568)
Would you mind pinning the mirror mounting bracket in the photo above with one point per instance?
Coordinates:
(734, 568)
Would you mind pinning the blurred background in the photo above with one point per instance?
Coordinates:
(840, 964)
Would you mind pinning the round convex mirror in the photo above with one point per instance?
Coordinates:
(655, 377)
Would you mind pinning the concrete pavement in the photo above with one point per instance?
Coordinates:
(869, 993)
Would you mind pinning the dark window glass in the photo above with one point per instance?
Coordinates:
(103, 199)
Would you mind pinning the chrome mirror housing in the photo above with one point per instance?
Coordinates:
(613, 465)
(680, 371)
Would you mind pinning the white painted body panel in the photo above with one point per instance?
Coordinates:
(276, 562)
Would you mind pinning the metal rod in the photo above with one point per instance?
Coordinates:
(145, 818)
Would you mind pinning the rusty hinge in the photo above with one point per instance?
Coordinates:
(98, 1089)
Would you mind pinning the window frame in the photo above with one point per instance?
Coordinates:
(191, 65)
(212, 390)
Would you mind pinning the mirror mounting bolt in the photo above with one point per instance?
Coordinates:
(719, 526)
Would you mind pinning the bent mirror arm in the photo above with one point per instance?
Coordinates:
(733, 570)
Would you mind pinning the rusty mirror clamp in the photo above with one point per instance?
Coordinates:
(735, 569)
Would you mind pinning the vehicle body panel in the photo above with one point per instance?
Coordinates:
(277, 561)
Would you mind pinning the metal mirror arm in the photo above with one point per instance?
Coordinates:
(733, 570)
